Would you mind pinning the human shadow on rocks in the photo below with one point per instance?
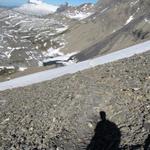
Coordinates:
(147, 143)
(107, 135)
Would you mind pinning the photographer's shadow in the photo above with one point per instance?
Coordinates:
(107, 135)
(147, 143)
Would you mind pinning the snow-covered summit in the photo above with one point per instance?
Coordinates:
(37, 7)
(35, 1)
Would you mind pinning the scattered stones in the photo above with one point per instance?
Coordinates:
(62, 113)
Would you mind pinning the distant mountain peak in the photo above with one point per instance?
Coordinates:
(37, 7)
(35, 1)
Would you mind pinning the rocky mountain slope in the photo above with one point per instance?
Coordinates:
(114, 25)
(37, 7)
(79, 12)
(27, 37)
(87, 31)
(62, 114)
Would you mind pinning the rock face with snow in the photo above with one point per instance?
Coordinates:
(80, 12)
(26, 40)
(116, 24)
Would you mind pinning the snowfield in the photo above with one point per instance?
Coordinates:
(129, 20)
(58, 72)
(79, 15)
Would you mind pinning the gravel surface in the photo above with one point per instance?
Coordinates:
(63, 113)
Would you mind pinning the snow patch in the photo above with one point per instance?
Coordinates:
(134, 3)
(54, 55)
(59, 30)
(7, 67)
(79, 15)
(60, 58)
(129, 20)
(45, 44)
(104, 10)
(51, 52)
(146, 20)
(22, 68)
(8, 53)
